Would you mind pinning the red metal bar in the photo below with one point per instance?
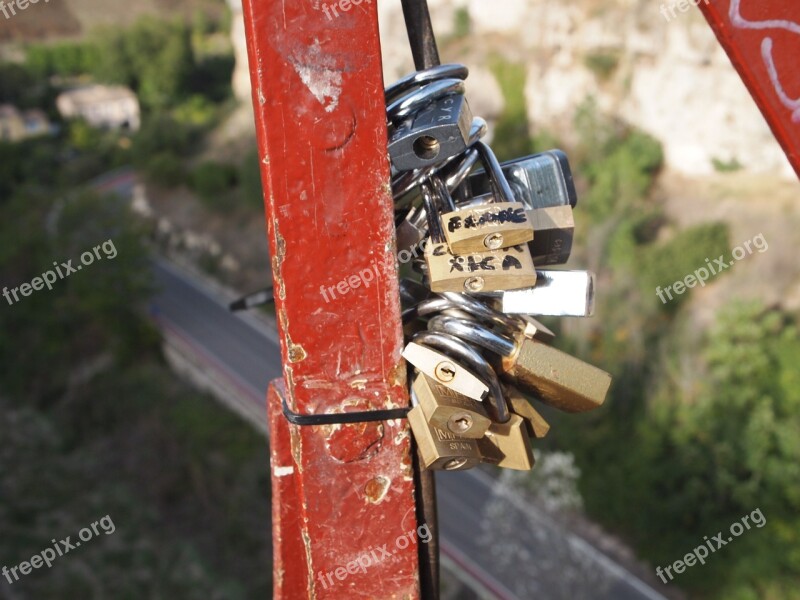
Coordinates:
(340, 492)
(762, 39)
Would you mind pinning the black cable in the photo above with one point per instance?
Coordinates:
(425, 486)
(420, 34)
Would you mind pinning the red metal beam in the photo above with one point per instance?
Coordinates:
(340, 492)
(762, 39)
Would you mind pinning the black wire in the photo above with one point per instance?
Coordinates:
(426, 55)
(420, 34)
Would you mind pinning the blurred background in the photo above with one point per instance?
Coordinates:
(128, 390)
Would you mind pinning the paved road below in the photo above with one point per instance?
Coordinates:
(503, 547)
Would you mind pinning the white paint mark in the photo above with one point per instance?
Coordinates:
(738, 21)
(318, 72)
(791, 104)
(766, 52)
(283, 471)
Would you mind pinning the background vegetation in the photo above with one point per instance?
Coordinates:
(677, 452)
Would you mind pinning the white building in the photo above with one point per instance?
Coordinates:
(111, 107)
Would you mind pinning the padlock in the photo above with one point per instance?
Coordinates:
(539, 181)
(442, 449)
(558, 379)
(469, 357)
(507, 445)
(447, 409)
(429, 125)
(520, 405)
(445, 370)
(492, 270)
(500, 223)
(411, 231)
(557, 294)
(553, 231)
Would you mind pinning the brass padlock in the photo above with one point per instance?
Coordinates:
(502, 269)
(520, 405)
(443, 369)
(494, 270)
(558, 379)
(494, 402)
(499, 223)
(441, 449)
(447, 409)
(507, 445)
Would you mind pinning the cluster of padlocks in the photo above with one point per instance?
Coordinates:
(484, 232)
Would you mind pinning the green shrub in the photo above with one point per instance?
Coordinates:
(214, 183)
(462, 23)
(603, 64)
(663, 264)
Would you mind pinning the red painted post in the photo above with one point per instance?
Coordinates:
(340, 492)
(762, 39)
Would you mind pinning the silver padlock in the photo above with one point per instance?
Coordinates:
(429, 125)
(556, 294)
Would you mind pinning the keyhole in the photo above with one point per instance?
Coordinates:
(426, 147)
(445, 371)
(460, 423)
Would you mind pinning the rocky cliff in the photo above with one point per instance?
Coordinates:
(669, 78)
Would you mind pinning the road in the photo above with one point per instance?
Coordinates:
(502, 546)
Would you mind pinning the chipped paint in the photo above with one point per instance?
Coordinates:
(376, 489)
(359, 384)
(319, 74)
(296, 351)
(283, 471)
(309, 563)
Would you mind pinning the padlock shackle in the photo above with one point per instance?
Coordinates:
(470, 331)
(432, 214)
(497, 179)
(474, 306)
(419, 79)
(407, 106)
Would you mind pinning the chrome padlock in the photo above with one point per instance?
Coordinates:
(557, 294)
(499, 223)
(439, 448)
(539, 181)
(491, 270)
(429, 125)
(447, 409)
